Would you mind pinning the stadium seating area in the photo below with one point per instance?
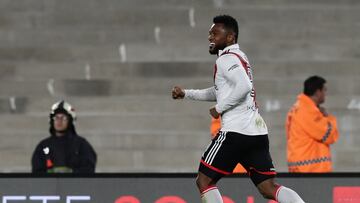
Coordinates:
(116, 62)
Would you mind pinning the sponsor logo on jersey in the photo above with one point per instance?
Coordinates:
(233, 67)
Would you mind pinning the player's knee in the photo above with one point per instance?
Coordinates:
(266, 193)
(200, 183)
(267, 189)
(203, 182)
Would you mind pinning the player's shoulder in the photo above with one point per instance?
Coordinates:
(227, 58)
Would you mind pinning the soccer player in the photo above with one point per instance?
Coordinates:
(243, 136)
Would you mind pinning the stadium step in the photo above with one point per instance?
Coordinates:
(115, 122)
(136, 139)
(159, 86)
(117, 70)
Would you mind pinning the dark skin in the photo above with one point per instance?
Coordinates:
(219, 38)
(319, 98)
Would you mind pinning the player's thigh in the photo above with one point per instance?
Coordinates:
(258, 161)
(220, 156)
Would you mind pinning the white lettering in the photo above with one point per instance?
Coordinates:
(69, 199)
(6, 199)
(44, 199)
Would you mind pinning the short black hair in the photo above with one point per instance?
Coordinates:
(229, 23)
(312, 84)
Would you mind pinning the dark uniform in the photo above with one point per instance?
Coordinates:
(68, 153)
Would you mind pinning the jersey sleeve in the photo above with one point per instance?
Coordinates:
(239, 82)
(207, 94)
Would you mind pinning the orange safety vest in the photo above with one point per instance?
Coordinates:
(214, 129)
(215, 126)
(309, 136)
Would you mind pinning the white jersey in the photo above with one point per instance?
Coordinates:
(234, 93)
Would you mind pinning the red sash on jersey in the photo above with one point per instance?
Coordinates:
(247, 68)
(243, 62)
(215, 70)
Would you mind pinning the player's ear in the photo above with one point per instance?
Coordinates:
(231, 37)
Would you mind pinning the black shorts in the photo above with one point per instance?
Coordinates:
(229, 148)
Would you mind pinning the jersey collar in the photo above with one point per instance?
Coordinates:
(228, 48)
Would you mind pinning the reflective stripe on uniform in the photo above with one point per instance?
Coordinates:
(310, 161)
(327, 132)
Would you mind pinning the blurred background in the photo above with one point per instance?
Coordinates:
(116, 61)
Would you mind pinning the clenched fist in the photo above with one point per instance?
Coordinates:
(177, 93)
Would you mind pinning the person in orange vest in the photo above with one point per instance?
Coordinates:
(215, 127)
(310, 130)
